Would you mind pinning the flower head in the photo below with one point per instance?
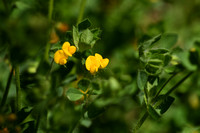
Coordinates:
(103, 62)
(93, 63)
(68, 50)
(60, 58)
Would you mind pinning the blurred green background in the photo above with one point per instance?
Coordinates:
(24, 31)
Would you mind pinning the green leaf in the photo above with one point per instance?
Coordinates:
(86, 122)
(75, 36)
(83, 84)
(84, 25)
(170, 69)
(86, 37)
(168, 40)
(152, 87)
(159, 51)
(166, 103)
(167, 59)
(23, 113)
(28, 127)
(96, 32)
(152, 112)
(194, 57)
(141, 79)
(56, 46)
(184, 56)
(150, 42)
(73, 94)
(86, 40)
(152, 69)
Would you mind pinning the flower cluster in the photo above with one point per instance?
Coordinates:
(93, 63)
(61, 56)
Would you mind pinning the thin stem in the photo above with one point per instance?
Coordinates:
(51, 65)
(144, 117)
(37, 122)
(140, 122)
(46, 54)
(50, 10)
(18, 88)
(181, 81)
(172, 89)
(5, 95)
(164, 86)
(81, 12)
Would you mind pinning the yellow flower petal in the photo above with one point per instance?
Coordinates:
(65, 48)
(63, 61)
(104, 63)
(60, 58)
(65, 45)
(88, 63)
(68, 50)
(72, 49)
(93, 69)
(98, 56)
(92, 64)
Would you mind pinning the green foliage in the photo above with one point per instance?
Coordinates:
(142, 79)
(151, 60)
(83, 84)
(165, 104)
(73, 94)
(155, 54)
(83, 37)
(152, 112)
(23, 114)
(84, 25)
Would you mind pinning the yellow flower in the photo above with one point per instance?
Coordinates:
(60, 57)
(68, 50)
(93, 63)
(103, 62)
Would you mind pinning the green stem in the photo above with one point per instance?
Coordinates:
(5, 95)
(140, 122)
(157, 94)
(50, 10)
(37, 122)
(81, 12)
(144, 117)
(18, 88)
(51, 65)
(46, 54)
(181, 81)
